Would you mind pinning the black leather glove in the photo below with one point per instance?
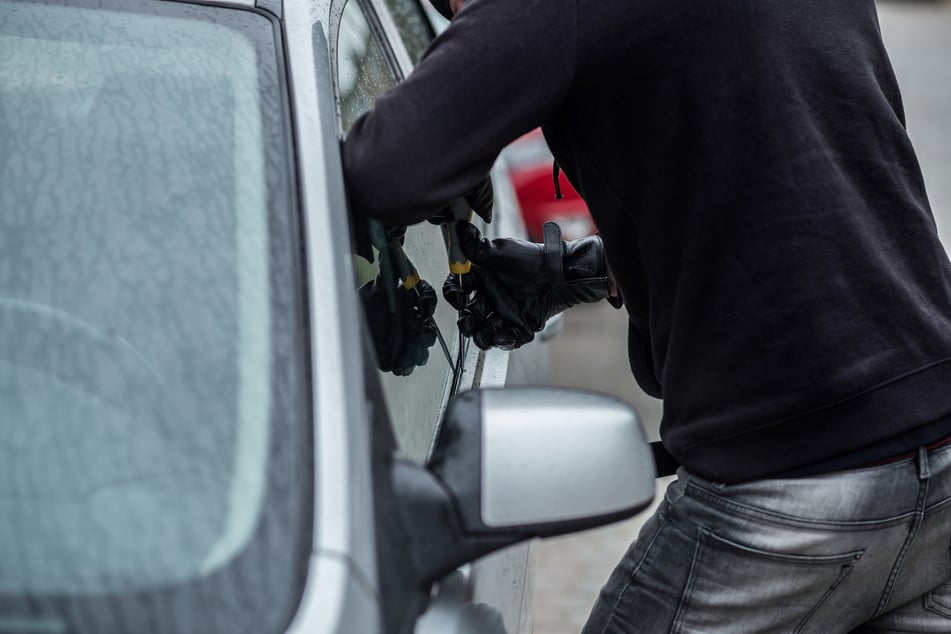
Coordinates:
(517, 285)
(479, 199)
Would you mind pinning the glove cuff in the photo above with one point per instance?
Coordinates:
(584, 258)
(577, 270)
(588, 258)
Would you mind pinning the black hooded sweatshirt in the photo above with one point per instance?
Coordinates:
(761, 206)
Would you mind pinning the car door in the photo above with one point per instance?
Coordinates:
(378, 43)
(415, 393)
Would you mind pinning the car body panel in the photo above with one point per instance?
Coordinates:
(343, 567)
(344, 564)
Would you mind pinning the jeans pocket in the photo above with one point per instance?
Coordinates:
(938, 600)
(734, 587)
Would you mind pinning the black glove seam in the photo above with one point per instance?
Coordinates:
(554, 254)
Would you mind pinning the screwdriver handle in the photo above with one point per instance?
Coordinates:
(458, 262)
(407, 270)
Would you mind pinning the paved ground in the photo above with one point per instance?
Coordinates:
(570, 570)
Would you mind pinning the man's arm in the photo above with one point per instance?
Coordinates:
(499, 70)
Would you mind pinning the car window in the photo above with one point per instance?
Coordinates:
(363, 71)
(413, 26)
(153, 468)
(419, 356)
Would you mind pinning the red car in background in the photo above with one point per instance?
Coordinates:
(530, 165)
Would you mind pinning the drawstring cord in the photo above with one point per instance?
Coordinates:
(555, 169)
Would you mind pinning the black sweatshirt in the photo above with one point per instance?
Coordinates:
(761, 205)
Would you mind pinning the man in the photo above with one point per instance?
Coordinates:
(766, 224)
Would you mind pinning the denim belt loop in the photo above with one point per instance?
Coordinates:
(678, 488)
(924, 471)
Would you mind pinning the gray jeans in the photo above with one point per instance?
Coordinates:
(867, 550)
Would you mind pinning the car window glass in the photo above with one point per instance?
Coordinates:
(413, 25)
(362, 69)
(399, 269)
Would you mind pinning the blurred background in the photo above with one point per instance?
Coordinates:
(571, 570)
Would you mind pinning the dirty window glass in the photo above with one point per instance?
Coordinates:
(399, 270)
(149, 472)
(413, 26)
(362, 69)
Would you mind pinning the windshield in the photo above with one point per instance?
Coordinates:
(153, 473)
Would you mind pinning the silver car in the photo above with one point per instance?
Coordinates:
(225, 405)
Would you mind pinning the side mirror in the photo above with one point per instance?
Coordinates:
(516, 463)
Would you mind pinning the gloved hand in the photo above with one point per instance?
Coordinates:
(517, 285)
(479, 199)
(401, 323)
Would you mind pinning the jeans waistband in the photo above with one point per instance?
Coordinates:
(910, 454)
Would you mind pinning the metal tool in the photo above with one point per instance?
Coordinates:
(459, 265)
(410, 280)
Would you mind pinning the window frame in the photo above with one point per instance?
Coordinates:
(384, 9)
(387, 35)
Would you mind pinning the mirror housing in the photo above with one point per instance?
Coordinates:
(516, 463)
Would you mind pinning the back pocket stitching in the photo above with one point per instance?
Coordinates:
(707, 536)
(681, 614)
(934, 606)
(783, 557)
(843, 573)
